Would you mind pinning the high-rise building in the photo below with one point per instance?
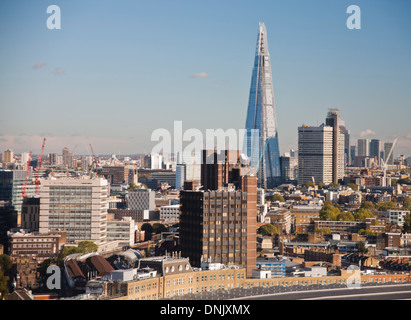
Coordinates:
(218, 224)
(67, 158)
(315, 154)
(339, 131)
(8, 156)
(363, 148)
(261, 141)
(375, 149)
(353, 154)
(77, 206)
(387, 149)
(13, 186)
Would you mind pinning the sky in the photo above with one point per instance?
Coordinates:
(118, 70)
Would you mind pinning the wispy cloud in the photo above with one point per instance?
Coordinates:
(200, 75)
(367, 132)
(39, 65)
(58, 71)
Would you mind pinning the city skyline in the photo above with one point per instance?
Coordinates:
(113, 74)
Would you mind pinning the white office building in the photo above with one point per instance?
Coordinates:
(77, 206)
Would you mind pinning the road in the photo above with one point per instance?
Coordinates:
(384, 292)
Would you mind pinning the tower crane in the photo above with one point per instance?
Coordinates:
(27, 176)
(95, 160)
(39, 166)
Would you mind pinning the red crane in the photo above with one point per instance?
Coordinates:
(27, 176)
(39, 166)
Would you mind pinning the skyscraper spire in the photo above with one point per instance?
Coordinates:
(261, 142)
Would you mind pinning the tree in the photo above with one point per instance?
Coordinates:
(361, 214)
(353, 186)
(406, 202)
(268, 230)
(323, 230)
(407, 224)
(329, 212)
(308, 184)
(5, 263)
(368, 205)
(277, 197)
(159, 227)
(132, 186)
(366, 232)
(4, 290)
(147, 227)
(387, 205)
(333, 185)
(360, 246)
(346, 216)
(87, 246)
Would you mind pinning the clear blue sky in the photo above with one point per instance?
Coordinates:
(117, 70)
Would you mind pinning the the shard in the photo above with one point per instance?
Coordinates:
(261, 141)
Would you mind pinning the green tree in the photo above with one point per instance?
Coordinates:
(87, 246)
(277, 197)
(147, 227)
(333, 185)
(4, 290)
(308, 184)
(406, 202)
(346, 216)
(5, 263)
(361, 214)
(353, 186)
(368, 205)
(159, 227)
(407, 224)
(323, 230)
(268, 230)
(360, 246)
(132, 186)
(329, 212)
(366, 232)
(387, 205)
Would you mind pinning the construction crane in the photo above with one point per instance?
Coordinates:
(315, 188)
(94, 157)
(384, 164)
(23, 195)
(37, 181)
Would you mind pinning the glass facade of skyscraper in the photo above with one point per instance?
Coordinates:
(261, 141)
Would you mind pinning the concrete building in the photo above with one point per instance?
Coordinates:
(30, 213)
(8, 156)
(315, 154)
(77, 206)
(363, 147)
(171, 212)
(122, 230)
(397, 216)
(116, 174)
(219, 225)
(141, 199)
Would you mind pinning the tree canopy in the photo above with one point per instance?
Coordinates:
(268, 230)
(277, 197)
(361, 214)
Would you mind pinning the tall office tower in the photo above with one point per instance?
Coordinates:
(12, 188)
(219, 223)
(261, 141)
(53, 159)
(363, 148)
(347, 149)
(387, 149)
(334, 120)
(375, 149)
(315, 154)
(180, 176)
(67, 158)
(353, 154)
(77, 206)
(8, 156)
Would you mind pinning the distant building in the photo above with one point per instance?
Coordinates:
(363, 147)
(116, 174)
(171, 212)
